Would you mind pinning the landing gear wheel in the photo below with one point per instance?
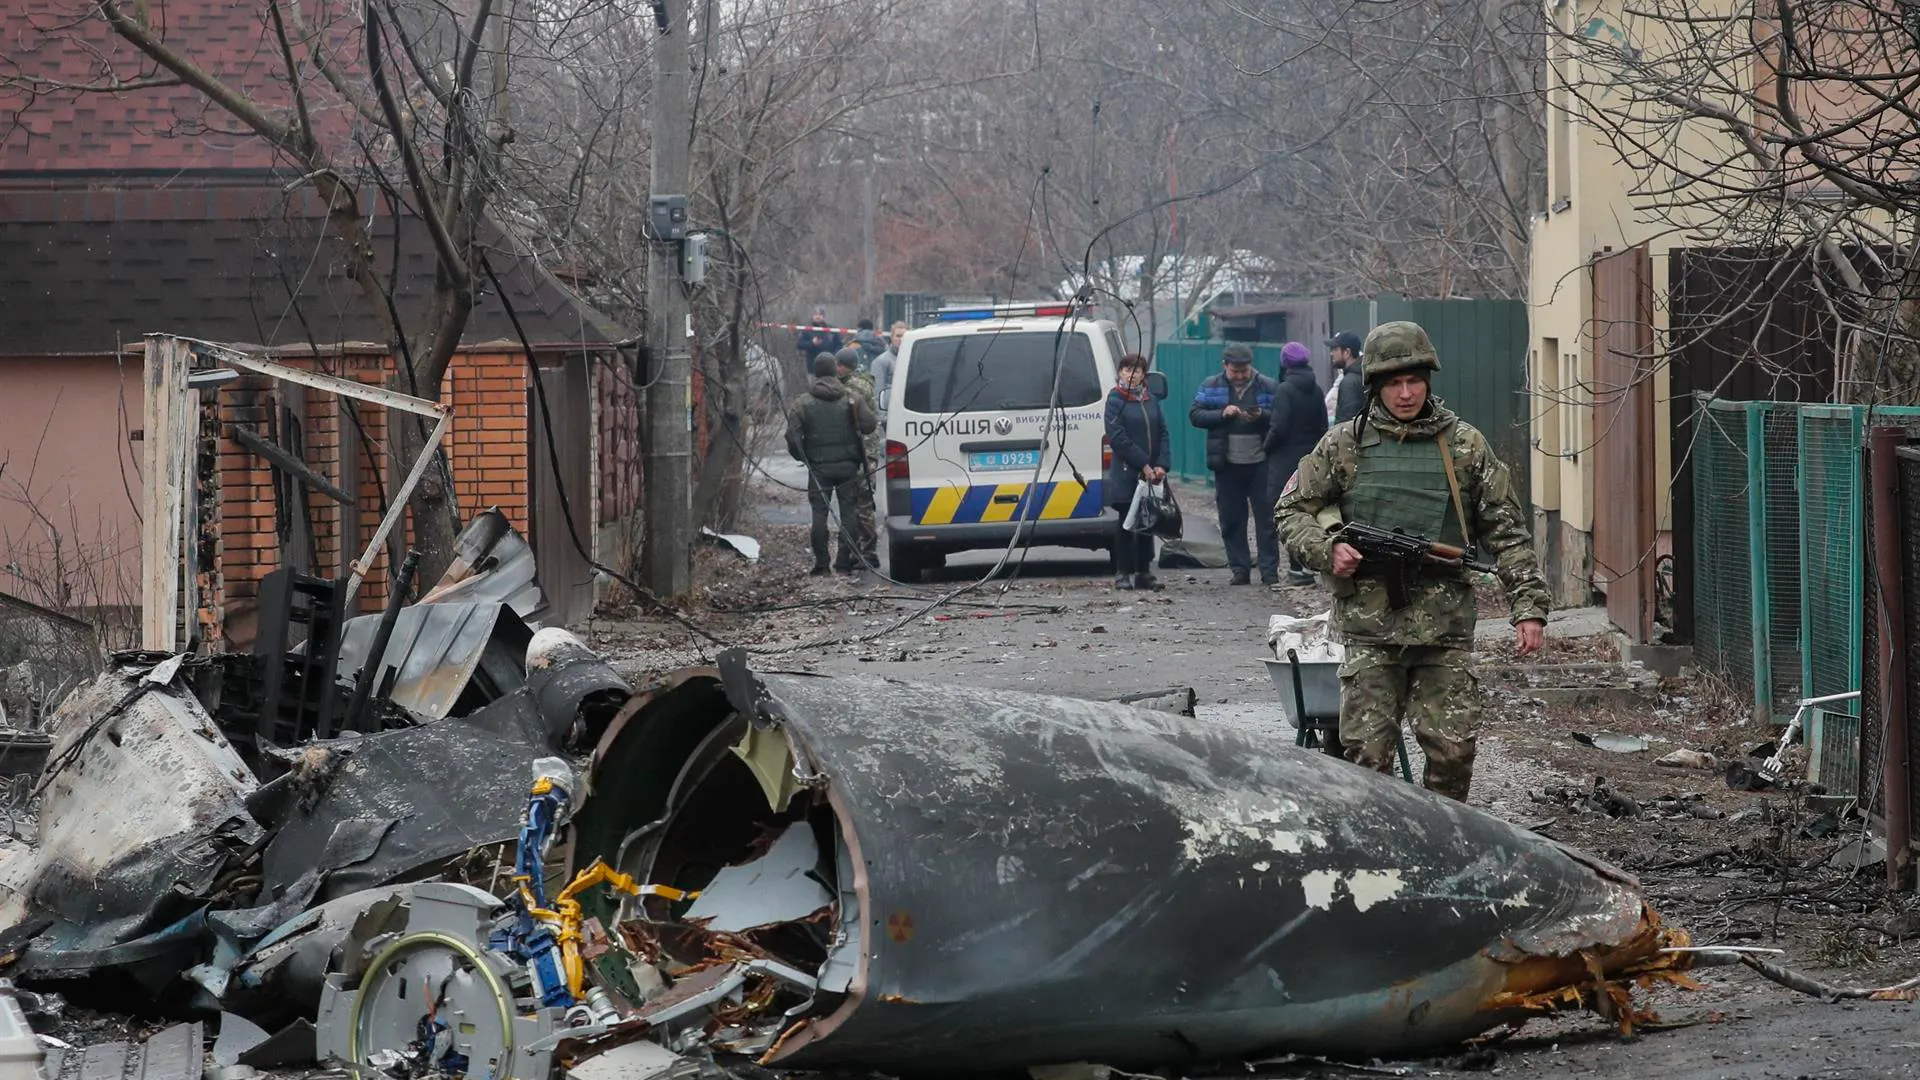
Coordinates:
(431, 995)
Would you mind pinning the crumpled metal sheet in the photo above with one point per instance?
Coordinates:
(464, 643)
(142, 812)
(453, 657)
(492, 563)
(281, 976)
(412, 798)
(1052, 879)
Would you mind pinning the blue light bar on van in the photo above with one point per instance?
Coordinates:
(1004, 311)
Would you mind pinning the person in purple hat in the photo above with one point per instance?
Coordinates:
(1298, 419)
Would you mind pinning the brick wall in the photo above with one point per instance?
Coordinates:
(488, 392)
(617, 462)
(487, 450)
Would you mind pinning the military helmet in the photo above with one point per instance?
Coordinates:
(1395, 347)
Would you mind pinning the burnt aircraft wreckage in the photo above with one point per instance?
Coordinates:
(796, 870)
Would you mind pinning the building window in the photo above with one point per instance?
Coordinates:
(1560, 127)
(1547, 374)
(1573, 399)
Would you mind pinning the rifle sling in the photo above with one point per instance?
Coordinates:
(1453, 485)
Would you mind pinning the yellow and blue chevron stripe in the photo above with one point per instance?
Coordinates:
(961, 504)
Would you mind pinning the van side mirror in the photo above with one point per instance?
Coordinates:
(1157, 384)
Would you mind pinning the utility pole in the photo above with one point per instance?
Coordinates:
(870, 245)
(666, 564)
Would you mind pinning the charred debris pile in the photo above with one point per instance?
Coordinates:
(436, 841)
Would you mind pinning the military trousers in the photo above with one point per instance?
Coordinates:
(1434, 687)
(858, 544)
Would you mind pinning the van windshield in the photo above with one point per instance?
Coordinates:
(983, 372)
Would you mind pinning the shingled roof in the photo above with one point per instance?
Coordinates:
(88, 272)
(150, 210)
(49, 47)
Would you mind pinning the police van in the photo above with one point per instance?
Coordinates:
(980, 449)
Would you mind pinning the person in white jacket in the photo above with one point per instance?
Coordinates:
(882, 369)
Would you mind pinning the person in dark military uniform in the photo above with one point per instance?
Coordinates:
(1406, 462)
(826, 429)
(860, 385)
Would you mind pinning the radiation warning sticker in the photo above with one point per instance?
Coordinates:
(900, 927)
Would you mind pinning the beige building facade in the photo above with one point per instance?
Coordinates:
(1597, 207)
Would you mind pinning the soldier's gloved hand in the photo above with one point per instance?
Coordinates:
(1346, 560)
(1530, 637)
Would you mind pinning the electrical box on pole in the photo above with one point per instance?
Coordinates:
(667, 217)
(693, 259)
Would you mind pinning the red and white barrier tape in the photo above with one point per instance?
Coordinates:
(807, 326)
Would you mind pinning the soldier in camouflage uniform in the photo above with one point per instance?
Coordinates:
(826, 427)
(1407, 463)
(860, 385)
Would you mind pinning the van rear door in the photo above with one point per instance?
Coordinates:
(984, 418)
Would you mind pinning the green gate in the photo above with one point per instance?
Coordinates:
(1483, 372)
(1185, 364)
(1483, 366)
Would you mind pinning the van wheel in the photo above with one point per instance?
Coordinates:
(905, 562)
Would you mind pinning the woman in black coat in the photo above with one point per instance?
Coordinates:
(1298, 420)
(1137, 432)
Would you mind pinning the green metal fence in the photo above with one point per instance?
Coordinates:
(1483, 364)
(1483, 369)
(1722, 515)
(1185, 364)
(1778, 531)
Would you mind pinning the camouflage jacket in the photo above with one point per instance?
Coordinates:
(1442, 609)
(860, 385)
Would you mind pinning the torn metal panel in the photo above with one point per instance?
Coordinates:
(577, 692)
(767, 754)
(744, 546)
(452, 657)
(280, 976)
(143, 809)
(237, 1036)
(174, 1054)
(291, 1045)
(1048, 879)
(777, 887)
(634, 1061)
(492, 563)
(430, 793)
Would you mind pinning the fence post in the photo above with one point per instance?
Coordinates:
(1888, 548)
(1762, 606)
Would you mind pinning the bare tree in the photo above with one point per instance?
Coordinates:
(1786, 130)
(358, 100)
(788, 107)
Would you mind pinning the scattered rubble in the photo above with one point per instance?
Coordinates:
(754, 872)
(1688, 759)
(1612, 743)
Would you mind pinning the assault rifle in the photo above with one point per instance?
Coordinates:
(1400, 557)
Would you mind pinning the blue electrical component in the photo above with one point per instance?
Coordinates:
(523, 937)
(544, 808)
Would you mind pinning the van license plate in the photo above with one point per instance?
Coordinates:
(1002, 460)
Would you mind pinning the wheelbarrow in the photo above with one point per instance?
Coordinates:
(1310, 698)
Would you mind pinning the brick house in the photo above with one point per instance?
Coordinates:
(140, 212)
